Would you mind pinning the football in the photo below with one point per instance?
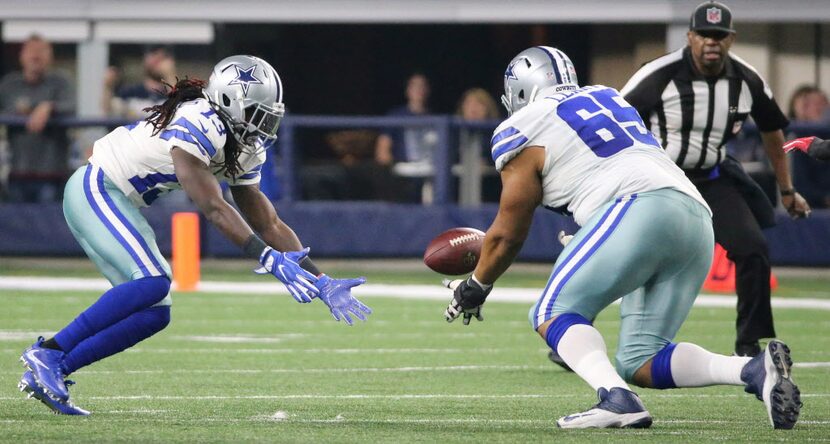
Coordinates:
(455, 251)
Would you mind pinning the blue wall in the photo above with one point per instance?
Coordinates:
(373, 230)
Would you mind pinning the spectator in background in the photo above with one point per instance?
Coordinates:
(809, 104)
(129, 101)
(812, 178)
(477, 105)
(39, 153)
(354, 175)
(478, 176)
(409, 150)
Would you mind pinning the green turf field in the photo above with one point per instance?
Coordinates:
(228, 363)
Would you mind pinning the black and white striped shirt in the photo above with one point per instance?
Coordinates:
(694, 116)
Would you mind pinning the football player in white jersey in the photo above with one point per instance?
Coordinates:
(646, 237)
(203, 134)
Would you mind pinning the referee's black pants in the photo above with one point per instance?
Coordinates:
(739, 233)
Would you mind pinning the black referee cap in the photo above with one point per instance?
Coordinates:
(711, 16)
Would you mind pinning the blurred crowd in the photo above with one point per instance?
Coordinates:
(810, 177)
(391, 164)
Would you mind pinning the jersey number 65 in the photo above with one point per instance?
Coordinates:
(588, 116)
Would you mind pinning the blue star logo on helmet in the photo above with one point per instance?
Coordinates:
(244, 78)
(508, 74)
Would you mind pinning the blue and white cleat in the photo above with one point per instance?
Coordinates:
(768, 376)
(29, 385)
(617, 408)
(45, 365)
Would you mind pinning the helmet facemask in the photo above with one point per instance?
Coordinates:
(520, 99)
(261, 121)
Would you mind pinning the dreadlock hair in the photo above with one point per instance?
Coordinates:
(186, 90)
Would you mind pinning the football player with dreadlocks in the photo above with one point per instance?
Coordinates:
(203, 134)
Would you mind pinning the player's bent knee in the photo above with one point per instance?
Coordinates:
(166, 302)
(642, 377)
(531, 316)
(154, 320)
(156, 288)
(647, 369)
(553, 329)
(627, 367)
(162, 316)
(543, 329)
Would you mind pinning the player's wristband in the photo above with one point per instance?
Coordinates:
(788, 192)
(309, 266)
(254, 246)
(484, 287)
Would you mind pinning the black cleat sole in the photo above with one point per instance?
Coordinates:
(641, 424)
(785, 398)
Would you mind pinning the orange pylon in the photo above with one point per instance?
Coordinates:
(186, 254)
(721, 278)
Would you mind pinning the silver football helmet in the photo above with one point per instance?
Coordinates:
(532, 70)
(247, 92)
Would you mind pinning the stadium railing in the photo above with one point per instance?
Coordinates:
(372, 229)
(445, 127)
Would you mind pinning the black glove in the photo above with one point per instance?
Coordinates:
(468, 297)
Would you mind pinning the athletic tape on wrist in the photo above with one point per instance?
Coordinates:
(309, 266)
(484, 287)
(254, 246)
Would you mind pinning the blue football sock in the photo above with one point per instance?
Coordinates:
(661, 375)
(116, 338)
(114, 305)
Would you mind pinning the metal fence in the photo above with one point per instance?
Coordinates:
(447, 152)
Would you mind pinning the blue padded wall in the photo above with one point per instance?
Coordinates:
(370, 229)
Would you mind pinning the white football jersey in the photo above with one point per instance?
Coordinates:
(140, 165)
(596, 149)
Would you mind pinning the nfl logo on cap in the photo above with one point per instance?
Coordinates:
(713, 15)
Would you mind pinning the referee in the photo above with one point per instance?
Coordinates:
(695, 100)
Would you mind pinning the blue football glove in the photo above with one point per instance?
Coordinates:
(337, 295)
(286, 268)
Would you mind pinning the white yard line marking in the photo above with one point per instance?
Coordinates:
(421, 292)
(240, 339)
(812, 364)
(21, 335)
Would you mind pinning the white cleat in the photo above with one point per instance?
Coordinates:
(769, 377)
(617, 408)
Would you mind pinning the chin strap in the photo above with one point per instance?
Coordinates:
(506, 105)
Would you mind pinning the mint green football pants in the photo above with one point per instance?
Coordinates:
(651, 249)
(112, 231)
